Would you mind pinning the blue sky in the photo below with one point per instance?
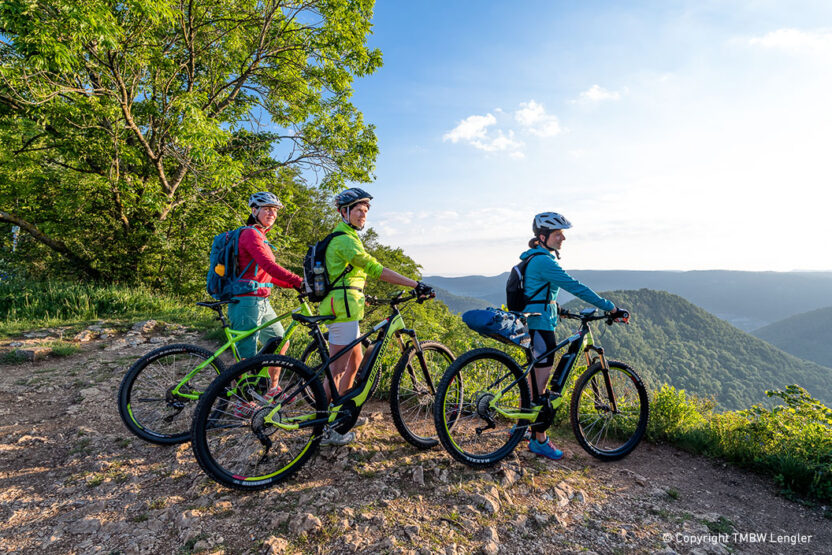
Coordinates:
(674, 135)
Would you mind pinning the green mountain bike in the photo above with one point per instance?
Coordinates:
(159, 391)
(483, 404)
(245, 441)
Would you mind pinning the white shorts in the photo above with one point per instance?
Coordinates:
(343, 333)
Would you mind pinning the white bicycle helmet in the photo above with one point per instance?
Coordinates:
(546, 222)
(264, 198)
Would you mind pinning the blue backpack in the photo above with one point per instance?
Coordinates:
(223, 281)
(503, 326)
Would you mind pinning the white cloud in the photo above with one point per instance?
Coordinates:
(796, 41)
(499, 143)
(597, 93)
(533, 117)
(471, 128)
(530, 119)
(474, 131)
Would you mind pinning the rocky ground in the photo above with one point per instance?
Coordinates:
(74, 480)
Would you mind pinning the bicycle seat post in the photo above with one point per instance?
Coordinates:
(221, 316)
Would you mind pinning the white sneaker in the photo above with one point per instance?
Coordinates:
(331, 437)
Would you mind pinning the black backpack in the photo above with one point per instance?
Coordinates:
(516, 298)
(316, 282)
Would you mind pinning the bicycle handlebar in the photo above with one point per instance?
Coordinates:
(400, 298)
(563, 313)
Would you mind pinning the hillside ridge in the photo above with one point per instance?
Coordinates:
(749, 300)
(806, 335)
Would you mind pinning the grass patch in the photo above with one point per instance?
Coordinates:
(12, 357)
(188, 547)
(115, 472)
(62, 348)
(156, 504)
(720, 526)
(26, 305)
(81, 447)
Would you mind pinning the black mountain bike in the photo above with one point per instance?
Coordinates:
(483, 405)
(245, 441)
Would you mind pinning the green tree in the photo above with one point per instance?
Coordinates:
(134, 130)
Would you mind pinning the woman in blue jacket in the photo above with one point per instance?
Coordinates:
(543, 279)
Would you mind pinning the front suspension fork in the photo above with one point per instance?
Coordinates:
(605, 371)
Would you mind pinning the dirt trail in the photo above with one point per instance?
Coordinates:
(73, 480)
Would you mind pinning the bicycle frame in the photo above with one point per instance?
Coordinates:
(235, 336)
(391, 326)
(579, 342)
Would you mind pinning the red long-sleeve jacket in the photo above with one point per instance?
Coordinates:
(253, 247)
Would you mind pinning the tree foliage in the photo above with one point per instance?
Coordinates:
(134, 130)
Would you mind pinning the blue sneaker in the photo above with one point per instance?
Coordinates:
(545, 449)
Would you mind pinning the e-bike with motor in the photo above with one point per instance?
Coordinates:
(245, 441)
(483, 405)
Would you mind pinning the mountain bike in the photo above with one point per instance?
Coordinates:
(608, 410)
(161, 385)
(245, 441)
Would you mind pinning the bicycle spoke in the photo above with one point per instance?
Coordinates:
(235, 444)
(147, 403)
(413, 392)
(605, 433)
(470, 426)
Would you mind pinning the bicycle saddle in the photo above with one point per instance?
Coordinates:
(216, 304)
(311, 320)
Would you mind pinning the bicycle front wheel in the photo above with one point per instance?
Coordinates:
(232, 439)
(609, 416)
(149, 402)
(474, 402)
(413, 389)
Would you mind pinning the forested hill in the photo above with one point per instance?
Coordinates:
(748, 300)
(671, 340)
(807, 335)
(458, 303)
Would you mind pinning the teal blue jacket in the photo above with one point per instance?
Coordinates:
(544, 270)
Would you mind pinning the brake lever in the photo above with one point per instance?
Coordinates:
(423, 298)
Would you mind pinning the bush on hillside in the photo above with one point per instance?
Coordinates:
(791, 442)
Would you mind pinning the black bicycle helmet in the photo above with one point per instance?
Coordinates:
(351, 196)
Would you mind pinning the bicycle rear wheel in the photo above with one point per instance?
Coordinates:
(604, 433)
(413, 389)
(232, 441)
(147, 403)
(469, 427)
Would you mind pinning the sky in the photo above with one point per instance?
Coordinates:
(674, 135)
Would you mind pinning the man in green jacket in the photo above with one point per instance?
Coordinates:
(346, 299)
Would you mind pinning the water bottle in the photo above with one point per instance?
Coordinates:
(318, 281)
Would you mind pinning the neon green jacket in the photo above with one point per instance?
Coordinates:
(343, 250)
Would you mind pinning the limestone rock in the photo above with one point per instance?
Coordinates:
(275, 545)
(305, 523)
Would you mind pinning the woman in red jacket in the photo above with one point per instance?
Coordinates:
(252, 309)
